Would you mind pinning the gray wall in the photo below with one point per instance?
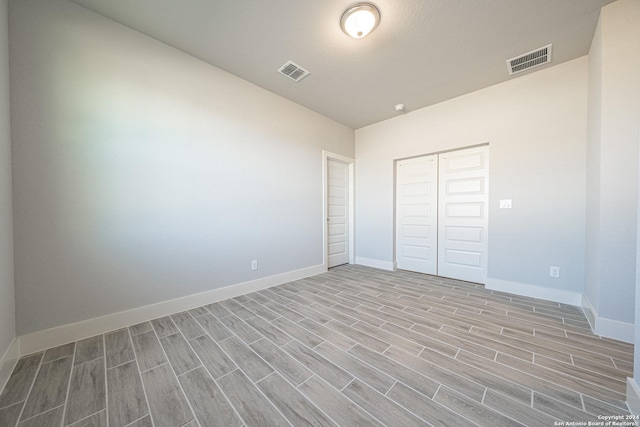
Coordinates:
(143, 174)
(636, 337)
(612, 201)
(7, 298)
(536, 127)
(593, 270)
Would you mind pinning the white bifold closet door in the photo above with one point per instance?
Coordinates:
(462, 214)
(417, 214)
(441, 214)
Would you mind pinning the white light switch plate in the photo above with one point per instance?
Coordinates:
(505, 204)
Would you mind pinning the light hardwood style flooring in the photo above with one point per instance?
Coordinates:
(352, 347)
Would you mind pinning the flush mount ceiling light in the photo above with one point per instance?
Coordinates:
(360, 19)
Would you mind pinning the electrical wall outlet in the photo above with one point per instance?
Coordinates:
(505, 204)
(254, 264)
(554, 271)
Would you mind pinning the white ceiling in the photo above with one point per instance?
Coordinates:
(423, 51)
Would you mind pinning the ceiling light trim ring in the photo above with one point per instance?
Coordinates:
(360, 19)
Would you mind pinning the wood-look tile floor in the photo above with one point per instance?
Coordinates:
(352, 347)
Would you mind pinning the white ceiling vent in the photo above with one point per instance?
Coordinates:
(293, 71)
(529, 60)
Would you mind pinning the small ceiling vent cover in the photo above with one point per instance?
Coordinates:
(529, 60)
(293, 71)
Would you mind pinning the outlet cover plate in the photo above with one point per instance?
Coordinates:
(505, 204)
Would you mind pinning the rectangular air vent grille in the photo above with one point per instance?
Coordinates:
(293, 71)
(529, 60)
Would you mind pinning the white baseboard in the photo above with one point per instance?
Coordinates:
(534, 291)
(614, 329)
(607, 327)
(633, 396)
(601, 326)
(589, 312)
(8, 361)
(376, 263)
(59, 335)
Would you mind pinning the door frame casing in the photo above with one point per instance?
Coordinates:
(326, 156)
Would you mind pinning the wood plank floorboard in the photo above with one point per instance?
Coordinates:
(241, 329)
(341, 409)
(167, 402)
(180, 354)
(427, 409)
(322, 367)
(49, 389)
(95, 420)
(140, 328)
(217, 310)
(19, 384)
(51, 418)
(87, 393)
(296, 408)
(286, 366)
(9, 415)
(187, 325)
(214, 327)
(212, 356)
(58, 352)
(380, 406)
(367, 373)
(126, 396)
(209, 404)
(164, 326)
(253, 407)
(480, 414)
(118, 347)
(89, 349)
(354, 346)
(148, 350)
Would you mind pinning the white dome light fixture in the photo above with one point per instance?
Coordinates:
(360, 19)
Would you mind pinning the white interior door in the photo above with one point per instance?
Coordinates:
(416, 214)
(463, 214)
(337, 213)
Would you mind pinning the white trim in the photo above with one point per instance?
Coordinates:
(633, 396)
(326, 155)
(376, 263)
(53, 337)
(8, 362)
(534, 291)
(615, 329)
(607, 327)
(589, 312)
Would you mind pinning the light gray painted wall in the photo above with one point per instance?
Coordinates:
(143, 174)
(636, 341)
(613, 147)
(593, 261)
(536, 127)
(7, 297)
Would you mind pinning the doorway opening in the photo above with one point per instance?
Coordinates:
(338, 209)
